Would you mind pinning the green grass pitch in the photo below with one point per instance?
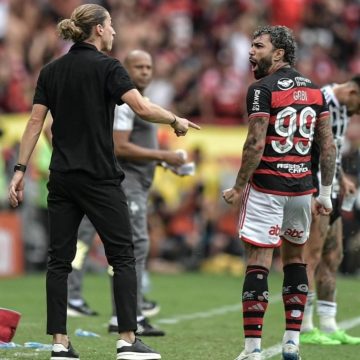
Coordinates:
(200, 313)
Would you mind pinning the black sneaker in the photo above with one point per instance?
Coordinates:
(136, 351)
(60, 352)
(150, 308)
(144, 328)
(112, 329)
(82, 310)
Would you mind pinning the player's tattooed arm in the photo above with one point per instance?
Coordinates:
(324, 138)
(253, 149)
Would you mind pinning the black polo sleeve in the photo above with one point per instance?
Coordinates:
(40, 96)
(119, 82)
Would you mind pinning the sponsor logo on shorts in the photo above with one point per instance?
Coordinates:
(294, 233)
(274, 230)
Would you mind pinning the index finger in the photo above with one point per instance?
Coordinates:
(194, 126)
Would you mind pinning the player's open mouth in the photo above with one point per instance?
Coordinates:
(253, 64)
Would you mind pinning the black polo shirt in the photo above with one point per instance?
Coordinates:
(81, 89)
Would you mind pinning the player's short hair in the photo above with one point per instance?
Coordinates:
(282, 38)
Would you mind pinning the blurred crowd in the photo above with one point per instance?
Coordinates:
(200, 47)
(200, 50)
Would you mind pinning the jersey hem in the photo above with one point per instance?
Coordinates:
(282, 193)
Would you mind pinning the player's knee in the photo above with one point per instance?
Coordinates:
(333, 261)
(313, 257)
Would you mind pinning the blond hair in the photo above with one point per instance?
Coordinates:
(83, 19)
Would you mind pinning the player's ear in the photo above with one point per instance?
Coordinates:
(279, 54)
(354, 89)
(99, 29)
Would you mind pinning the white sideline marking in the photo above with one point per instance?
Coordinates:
(267, 353)
(210, 313)
(276, 349)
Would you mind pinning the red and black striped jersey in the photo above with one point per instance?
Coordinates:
(293, 104)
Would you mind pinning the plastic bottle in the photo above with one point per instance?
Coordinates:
(8, 345)
(37, 345)
(85, 333)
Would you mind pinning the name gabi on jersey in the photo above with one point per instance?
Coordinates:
(293, 168)
(256, 102)
(300, 95)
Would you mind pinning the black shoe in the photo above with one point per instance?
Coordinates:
(60, 352)
(82, 310)
(149, 308)
(136, 351)
(113, 329)
(144, 328)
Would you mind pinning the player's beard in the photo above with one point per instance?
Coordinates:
(263, 67)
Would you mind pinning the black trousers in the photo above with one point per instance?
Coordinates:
(71, 195)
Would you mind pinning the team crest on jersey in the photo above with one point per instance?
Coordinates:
(285, 84)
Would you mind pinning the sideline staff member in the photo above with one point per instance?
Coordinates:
(81, 89)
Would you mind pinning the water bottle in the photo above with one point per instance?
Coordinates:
(38, 346)
(9, 345)
(85, 333)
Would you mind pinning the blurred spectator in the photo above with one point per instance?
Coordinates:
(3, 177)
(221, 89)
(201, 46)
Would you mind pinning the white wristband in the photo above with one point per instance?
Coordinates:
(325, 190)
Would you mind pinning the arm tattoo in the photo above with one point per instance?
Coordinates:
(253, 149)
(327, 150)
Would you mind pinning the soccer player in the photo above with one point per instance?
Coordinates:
(323, 251)
(81, 89)
(136, 146)
(274, 184)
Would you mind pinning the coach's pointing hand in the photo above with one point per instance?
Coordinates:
(181, 126)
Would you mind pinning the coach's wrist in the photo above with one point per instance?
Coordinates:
(174, 121)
